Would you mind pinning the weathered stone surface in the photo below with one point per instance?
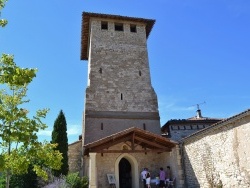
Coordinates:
(74, 156)
(119, 81)
(219, 155)
(118, 65)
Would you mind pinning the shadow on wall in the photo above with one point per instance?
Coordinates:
(206, 163)
(189, 175)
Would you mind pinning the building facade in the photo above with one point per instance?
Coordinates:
(177, 129)
(121, 125)
(119, 92)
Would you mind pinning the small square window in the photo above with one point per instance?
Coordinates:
(133, 28)
(118, 26)
(104, 25)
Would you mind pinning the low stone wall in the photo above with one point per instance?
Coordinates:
(219, 156)
(74, 156)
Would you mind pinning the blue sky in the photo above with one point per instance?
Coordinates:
(198, 51)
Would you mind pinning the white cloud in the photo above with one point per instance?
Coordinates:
(44, 133)
(170, 103)
(71, 130)
(74, 129)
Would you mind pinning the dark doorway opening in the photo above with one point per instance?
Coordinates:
(125, 179)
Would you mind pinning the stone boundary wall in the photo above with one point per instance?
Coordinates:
(219, 156)
(74, 156)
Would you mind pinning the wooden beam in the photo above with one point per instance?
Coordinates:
(127, 144)
(110, 143)
(133, 151)
(150, 143)
(133, 141)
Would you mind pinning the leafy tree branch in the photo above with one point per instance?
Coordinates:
(19, 143)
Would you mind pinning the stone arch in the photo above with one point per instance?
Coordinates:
(134, 169)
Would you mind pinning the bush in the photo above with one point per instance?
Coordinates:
(24, 180)
(85, 182)
(74, 180)
(2, 180)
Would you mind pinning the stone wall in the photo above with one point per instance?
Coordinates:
(219, 155)
(101, 127)
(119, 78)
(119, 93)
(74, 156)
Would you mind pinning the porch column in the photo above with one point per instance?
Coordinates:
(92, 171)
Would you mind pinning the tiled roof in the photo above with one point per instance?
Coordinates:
(85, 27)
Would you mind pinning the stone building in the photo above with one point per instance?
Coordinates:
(177, 129)
(121, 125)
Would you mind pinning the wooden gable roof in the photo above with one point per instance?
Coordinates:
(132, 138)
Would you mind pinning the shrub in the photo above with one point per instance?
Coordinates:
(2, 180)
(24, 180)
(85, 182)
(74, 180)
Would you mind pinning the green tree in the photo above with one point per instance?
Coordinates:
(59, 136)
(19, 145)
(3, 22)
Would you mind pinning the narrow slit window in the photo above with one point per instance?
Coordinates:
(121, 96)
(101, 126)
(139, 73)
(133, 28)
(118, 27)
(144, 126)
(104, 25)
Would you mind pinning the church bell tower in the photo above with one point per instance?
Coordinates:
(119, 93)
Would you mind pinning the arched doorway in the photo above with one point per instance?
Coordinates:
(134, 169)
(125, 174)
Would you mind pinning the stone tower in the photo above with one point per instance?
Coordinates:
(119, 94)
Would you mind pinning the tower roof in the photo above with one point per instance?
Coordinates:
(85, 27)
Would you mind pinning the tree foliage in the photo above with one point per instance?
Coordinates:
(59, 136)
(3, 22)
(19, 143)
(24, 180)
